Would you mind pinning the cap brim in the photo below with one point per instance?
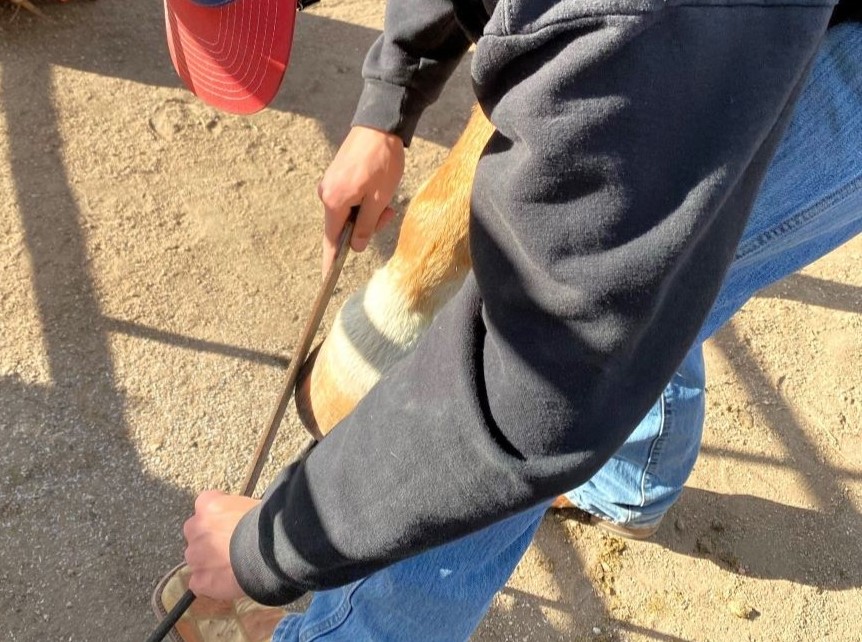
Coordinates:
(232, 56)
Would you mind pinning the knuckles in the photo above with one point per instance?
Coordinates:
(188, 528)
(194, 584)
(205, 500)
(330, 196)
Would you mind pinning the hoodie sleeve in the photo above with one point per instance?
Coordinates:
(406, 68)
(631, 142)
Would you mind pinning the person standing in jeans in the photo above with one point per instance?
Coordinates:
(810, 203)
(613, 227)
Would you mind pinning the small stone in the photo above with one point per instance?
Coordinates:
(742, 610)
(213, 124)
(597, 630)
(679, 524)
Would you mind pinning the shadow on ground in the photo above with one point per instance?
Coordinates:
(95, 517)
(103, 529)
(323, 80)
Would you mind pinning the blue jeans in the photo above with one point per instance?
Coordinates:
(810, 203)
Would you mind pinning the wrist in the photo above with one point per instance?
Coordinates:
(252, 568)
(380, 136)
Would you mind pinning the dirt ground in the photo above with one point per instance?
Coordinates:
(157, 261)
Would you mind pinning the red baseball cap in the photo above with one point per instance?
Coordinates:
(231, 53)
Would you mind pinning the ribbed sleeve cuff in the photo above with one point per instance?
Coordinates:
(251, 569)
(390, 108)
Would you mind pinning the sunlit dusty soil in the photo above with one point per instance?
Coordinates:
(157, 261)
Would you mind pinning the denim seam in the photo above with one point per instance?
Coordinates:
(278, 633)
(751, 247)
(335, 620)
(654, 449)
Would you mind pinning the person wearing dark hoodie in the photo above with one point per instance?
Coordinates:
(611, 232)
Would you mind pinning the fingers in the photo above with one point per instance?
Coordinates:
(334, 220)
(366, 171)
(337, 205)
(216, 586)
(373, 216)
(366, 223)
(385, 218)
(199, 551)
(207, 503)
(371, 219)
(198, 582)
(208, 533)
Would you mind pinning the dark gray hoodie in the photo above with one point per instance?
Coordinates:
(632, 137)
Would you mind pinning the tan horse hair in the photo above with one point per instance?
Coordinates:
(382, 321)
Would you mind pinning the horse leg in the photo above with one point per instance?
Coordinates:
(381, 322)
